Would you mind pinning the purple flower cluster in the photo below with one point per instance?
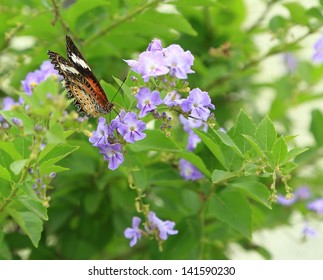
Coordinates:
(108, 137)
(174, 61)
(155, 227)
(158, 61)
(33, 78)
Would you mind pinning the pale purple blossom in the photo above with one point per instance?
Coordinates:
(316, 206)
(149, 64)
(197, 104)
(147, 101)
(8, 103)
(286, 202)
(16, 121)
(155, 45)
(101, 135)
(188, 170)
(290, 62)
(164, 228)
(156, 61)
(318, 51)
(34, 78)
(303, 193)
(188, 124)
(172, 98)
(309, 231)
(130, 128)
(112, 153)
(134, 232)
(178, 61)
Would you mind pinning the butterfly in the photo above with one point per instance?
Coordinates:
(80, 82)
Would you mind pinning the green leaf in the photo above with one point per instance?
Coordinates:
(219, 176)
(266, 134)
(28, 124)
(277, 23)
(167, 20)
(5, 174)
(255, 145)
(34, 205)
(226, 140)
(209, 140)
(197, 161)
(233, 209)
(156, 141)
(280, 150)
(243, 126)
(55, 152)
(253, 189)
(297, 13)
(193, 3)
(11, 150)
(29, 222)
(23, 145)
(295, 152)
(55, 134)
(17, 166)
(5, 253)
(316, 126)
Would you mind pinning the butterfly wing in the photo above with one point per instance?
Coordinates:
(80, 82)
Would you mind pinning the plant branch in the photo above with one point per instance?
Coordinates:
(253, 62)
(122, 20)
(262, 15)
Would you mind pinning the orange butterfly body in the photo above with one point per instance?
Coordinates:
(80, 82)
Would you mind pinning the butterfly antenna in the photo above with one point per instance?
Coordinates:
(119, 88)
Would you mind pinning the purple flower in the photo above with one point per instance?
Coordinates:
(101, 134)
(113, 154)
(290, 62)
(165, 228)
(149, 64)
(303, 193)
(180, 62)
(34, 78)
(172, 98)
(284, 201)
(318, 48)
(155, 45)
(147, 101)
(18, 122)
(133, 233)
(316, 205)
(197, 104)
(130, 128)
(188, 124)
(188, 171)
(309, 231)
(8, 103)
(52, 175)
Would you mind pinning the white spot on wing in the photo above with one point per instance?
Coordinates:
(79, 61)
(69, 69)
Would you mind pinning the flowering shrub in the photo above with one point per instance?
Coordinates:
(184, 166)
